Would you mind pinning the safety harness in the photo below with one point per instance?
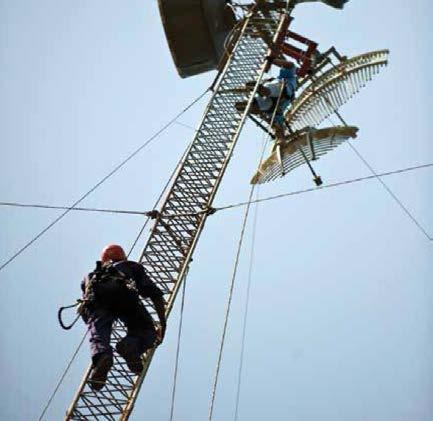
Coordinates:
(106, 285)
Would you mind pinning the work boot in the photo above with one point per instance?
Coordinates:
(100, 371)
(129, 353)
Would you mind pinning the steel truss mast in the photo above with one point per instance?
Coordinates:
(181, 219)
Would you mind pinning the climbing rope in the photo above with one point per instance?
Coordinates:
(266, 137)
(99, 183)
(235, 268)
(232, 284)
(246, 308)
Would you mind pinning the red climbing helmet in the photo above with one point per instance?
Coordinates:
(112, 252)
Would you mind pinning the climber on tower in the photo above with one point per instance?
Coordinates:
(112, 292)
(274, 97)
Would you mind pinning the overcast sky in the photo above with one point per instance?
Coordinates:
(340, 324)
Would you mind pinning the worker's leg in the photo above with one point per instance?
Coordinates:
(279, 120)
(100, 323)
(141, 335)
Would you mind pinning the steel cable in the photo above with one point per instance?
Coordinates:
(293, 193)
(377, 176)
(176, 365)
(62, 377)
(79, 209)
(391, 193)
(328, 186)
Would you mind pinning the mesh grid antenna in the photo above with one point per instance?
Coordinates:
(327, 93)
(305, 144)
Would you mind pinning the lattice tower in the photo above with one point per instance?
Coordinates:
(174, 236)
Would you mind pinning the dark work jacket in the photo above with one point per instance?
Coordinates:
(146, 288)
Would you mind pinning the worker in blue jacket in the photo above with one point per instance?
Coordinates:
(278, 93)
(274, 97)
